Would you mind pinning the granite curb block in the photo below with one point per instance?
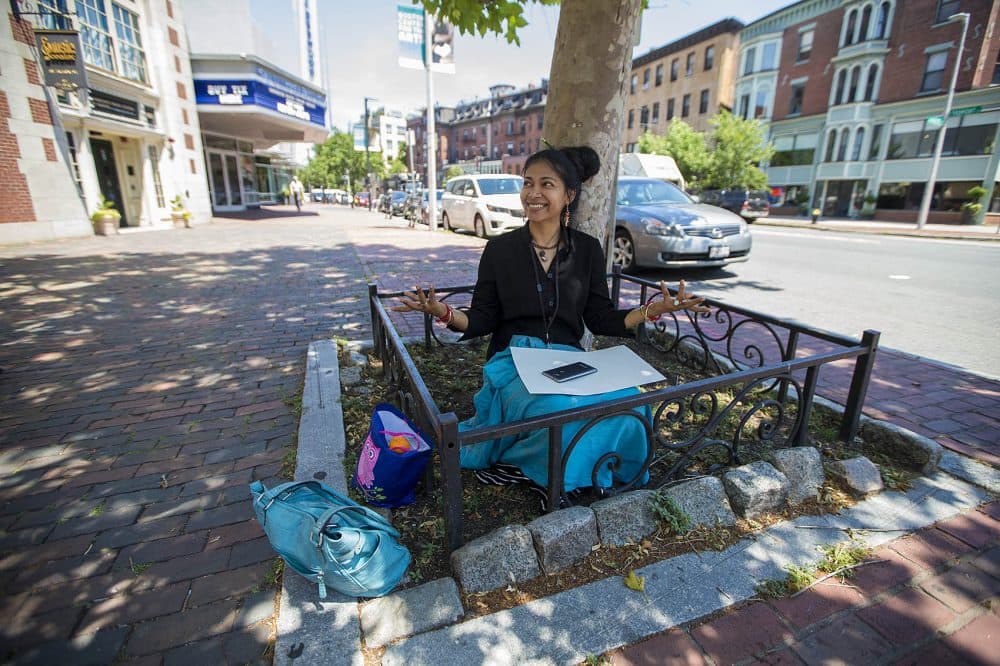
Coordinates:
(310, 631)
(567, 627)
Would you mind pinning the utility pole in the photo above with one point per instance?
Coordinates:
(431, 131)
(925, 202)
(368, 155)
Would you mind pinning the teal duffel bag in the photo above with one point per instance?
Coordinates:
(330, 539)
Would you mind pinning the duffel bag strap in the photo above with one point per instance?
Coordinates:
(316, 534)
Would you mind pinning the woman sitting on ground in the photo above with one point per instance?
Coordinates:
(538, 286)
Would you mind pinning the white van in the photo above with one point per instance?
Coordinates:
(488, 204)
(645, 165)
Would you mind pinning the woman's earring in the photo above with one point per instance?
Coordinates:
(566, 216)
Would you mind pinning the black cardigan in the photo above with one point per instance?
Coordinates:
(506, 299)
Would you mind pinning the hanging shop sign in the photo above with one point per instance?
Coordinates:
(113, 105)
(270, 95)
(62, 59)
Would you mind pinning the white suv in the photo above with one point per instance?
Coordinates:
(488, 204)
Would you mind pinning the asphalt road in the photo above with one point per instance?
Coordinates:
(939, 299)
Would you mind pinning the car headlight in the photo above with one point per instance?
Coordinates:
(656, 227)
(497, 209)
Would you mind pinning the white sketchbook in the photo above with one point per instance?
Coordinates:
(617, 368)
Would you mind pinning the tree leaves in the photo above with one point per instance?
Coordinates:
(483, 16)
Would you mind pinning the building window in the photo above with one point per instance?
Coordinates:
(760, 105)
(945, 9)
(996, 71)
(154, 163)
(656, 113)
(875, 147)
(131, 57)
(881, 21)
(659, 74)
(852, 92)
(94, 34)
(748, 58)
(866, 17)
(798, 93)
(859, 138)
(805, 45)
(768, 57)
(541, 120)
(510, 127)
(870, 83)
(673, 69)
(845, 136)
(852, 18)
(524, 127)
(689, 68)
(744, 106)
(686, 106)
(934, 71)
(510, 147)
(795, 150)
(643, 117)
(521, 147)
(703, 102)
(71, 144)
(838, 96)
(670, 108)
(631, 118)
(645, 79)
(635, 83)
(831, 145)
(709, 57)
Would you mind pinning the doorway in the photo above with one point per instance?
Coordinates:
(840, 197)
(224, 180)
(107, 175)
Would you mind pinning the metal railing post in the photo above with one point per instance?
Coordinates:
(808, 392)
(377, 335)
(616, 285)
(859, 386)
(790, 351)
(451, 479)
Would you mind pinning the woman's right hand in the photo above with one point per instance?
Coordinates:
(418, 301)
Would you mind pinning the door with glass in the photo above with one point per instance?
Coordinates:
(224, 181)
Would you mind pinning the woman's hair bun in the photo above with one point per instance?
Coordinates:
(585, 159)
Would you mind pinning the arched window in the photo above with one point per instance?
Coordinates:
(852, 18)
(838, 98)
(870, 84)
(831, 144)
(866, 17)
(845, 136)
(859, 138)
(881, 21)
(852, 94)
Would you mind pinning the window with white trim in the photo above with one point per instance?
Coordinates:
(934, 71)
(945, 9)
(859, 138)
(805, 45)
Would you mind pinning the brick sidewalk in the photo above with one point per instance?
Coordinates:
(934, 600)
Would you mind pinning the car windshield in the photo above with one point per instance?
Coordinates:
(500, 185)
(641, 192)
(759, 194)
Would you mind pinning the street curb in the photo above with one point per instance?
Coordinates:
(880, 231)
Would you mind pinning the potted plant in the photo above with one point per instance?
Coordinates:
(179, 214)
(972, 208)
(106, 218)
(868, 205)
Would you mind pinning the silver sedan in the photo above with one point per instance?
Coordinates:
(659, 226)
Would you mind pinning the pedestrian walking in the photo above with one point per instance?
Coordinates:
(297, 191)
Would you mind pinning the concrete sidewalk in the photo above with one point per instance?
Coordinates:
(981, 232)
(147, 377)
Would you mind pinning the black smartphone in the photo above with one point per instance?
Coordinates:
(565, 373)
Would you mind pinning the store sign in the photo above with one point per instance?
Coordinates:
(62, 59)
(268, 96)
(114, 106)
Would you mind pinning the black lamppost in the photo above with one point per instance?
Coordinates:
(368, 155)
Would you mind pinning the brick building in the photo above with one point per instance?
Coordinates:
(133, 138)
(691, 79)
(859, 85)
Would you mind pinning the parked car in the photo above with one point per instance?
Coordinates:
(411, 207)
(425, 213)
(361, 199)
(748, 204)
(397, 203)
(659, 226)
(488, 204)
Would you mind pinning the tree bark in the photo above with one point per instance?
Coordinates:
(588, 82)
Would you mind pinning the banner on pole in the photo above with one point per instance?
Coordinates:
(410, 30)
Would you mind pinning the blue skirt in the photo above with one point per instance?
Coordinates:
(504, 399)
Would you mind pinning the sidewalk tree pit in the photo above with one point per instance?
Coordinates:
(739, 386)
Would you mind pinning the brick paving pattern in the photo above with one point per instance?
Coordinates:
(146, 378)
(922, 605)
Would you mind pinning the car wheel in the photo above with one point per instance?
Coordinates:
(480, 227)
(623, 252)
(445, 222)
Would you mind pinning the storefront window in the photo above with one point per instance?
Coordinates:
(948, 196)
(969, 135)
(220, 142)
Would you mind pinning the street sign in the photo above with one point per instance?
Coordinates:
(933, 122)
(965, 110)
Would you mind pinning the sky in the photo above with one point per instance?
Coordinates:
(360, 48)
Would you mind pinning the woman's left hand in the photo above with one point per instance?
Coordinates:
(683, 301)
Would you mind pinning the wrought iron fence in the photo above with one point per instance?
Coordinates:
(758, 389)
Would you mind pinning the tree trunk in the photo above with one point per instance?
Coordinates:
(588, 82)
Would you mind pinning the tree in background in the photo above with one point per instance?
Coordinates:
(726, 158)
(737, 146)
(686, 146)
(591, 66)
(452, 172)
(336, 157)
